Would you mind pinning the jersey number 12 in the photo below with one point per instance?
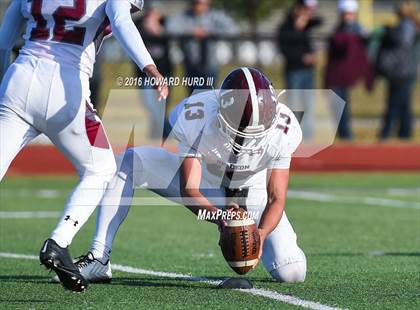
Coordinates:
(61, 15)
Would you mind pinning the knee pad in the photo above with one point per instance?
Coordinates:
(289, 273)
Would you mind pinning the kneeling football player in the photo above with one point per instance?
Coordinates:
(234, 142)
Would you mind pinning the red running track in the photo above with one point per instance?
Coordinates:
(47, 160)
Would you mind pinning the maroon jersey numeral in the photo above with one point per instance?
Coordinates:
(287, 121)
(61, 15)
(40, 32)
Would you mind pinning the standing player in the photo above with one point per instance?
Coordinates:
(46, 90)
(235, 144)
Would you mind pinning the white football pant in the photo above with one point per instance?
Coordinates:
(157, 169)
(37, 96)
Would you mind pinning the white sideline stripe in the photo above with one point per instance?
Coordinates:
(254, 291)
(373, 201)
(29, 214)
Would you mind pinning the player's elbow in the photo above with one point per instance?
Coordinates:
(276, 202)
(189, 192)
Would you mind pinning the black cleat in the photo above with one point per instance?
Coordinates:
(58, 259)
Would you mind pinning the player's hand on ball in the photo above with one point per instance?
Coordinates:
(263, 235)
(232, 206)
(229, 208)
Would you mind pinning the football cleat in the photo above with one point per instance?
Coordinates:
(58, 259)
(92, 269)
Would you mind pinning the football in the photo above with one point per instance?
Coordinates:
(240, 242)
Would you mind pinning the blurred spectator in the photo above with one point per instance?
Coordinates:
(347, 61)
(297, 48)
(397, 62)
(152, 29)
(200, 22)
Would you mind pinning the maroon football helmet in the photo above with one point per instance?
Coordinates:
(248, 109)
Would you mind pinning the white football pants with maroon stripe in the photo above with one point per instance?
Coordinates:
(39, 95)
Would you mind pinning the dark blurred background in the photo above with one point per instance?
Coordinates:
(367, 51)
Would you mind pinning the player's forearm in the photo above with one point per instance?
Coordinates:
(126, 33)
(152, 71)
(271, 216)
(195, 201)
(278, 180)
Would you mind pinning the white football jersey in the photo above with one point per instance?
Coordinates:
(195, 126)
(67, 31)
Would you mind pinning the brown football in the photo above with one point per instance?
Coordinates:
(240, 243)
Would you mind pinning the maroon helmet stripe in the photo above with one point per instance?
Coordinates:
(254, 97)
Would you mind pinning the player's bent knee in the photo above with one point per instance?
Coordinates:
(294, 272)
(128, 162)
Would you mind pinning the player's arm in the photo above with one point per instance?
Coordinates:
(125, 31)
(277, 184)
(190, 179)
(9, 33)
(276, 192)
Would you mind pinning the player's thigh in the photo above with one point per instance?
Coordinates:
(157, 169)
(153, 168)
(74, 127)
(79, 142)
(15, 133)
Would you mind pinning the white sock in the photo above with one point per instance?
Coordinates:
(112, 212)
(100, 251)
(80, 205)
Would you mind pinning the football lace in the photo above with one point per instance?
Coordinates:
(244, 241)
(83, 261)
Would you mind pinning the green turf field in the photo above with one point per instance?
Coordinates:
(360, 232)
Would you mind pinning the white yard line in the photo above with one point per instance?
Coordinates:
(293, 194)
(292, 300)
(29, 214)
(373, 201)
(404, 191)
(39, 193)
